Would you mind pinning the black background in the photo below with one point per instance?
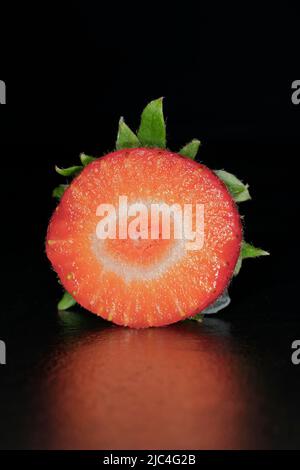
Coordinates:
(226, 76)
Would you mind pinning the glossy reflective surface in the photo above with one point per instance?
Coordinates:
(93, 385)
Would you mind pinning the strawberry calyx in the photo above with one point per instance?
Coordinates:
(152, 133)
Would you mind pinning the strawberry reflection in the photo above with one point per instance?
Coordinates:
(179, 387)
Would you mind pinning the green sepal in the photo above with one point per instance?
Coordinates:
(86, 159)
(152, 130)
(190, 150)
(71, 171)
(238, 190)
(248, 251)
(199, 317)
(66, 301)
(59, 190)
(126, 138)
(238, 266)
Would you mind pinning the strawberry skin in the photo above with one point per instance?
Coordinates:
(142, 283)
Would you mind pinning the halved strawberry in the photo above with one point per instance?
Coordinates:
(143, 283)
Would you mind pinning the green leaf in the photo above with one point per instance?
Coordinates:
(59, 190)
(248, 251)
(71, 171)
(190, 150)
(126, 138)
(238, 190)
(238, 266)
(152, 130)
(86, 159)
(66, 302)
(198, 318)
